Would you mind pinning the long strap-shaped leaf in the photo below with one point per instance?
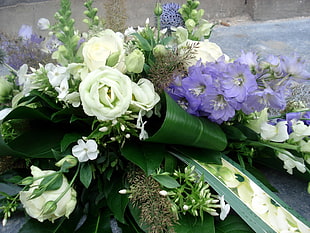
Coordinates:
(261, 209)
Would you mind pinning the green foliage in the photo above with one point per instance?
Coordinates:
(86, 174)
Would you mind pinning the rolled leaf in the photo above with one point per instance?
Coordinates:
(181, 128)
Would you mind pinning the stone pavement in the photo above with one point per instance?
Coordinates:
(276, 37)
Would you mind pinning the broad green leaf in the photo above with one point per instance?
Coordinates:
(148, 156)
(38, 143)
(117, 202)
(233, 133)
(96, 223)
(166, 181)
(232, 224)
(200, 154)
(182, 128)
(86, 174)
(190, 224)
(68, 139)
(6, 150)
(23, 112)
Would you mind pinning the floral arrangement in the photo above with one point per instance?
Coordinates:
(148, 130)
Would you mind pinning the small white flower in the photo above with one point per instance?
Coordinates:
(63, 89)
(275, 133)
(225, 208)
(4, 221)
(163, 193)
(290, 162)
(74, 99)
(85, 151)
(56, 74)
(43, 24)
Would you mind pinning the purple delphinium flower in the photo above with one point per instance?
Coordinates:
(250, 59)
(238, 81)
(25, 32)
(306, 118)
(170, 16)
(295, 67)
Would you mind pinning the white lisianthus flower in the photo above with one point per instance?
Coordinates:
(105, 93)
(291, 161)
(85, 151)
(275, 133)
(35, 206)
(144, 95)
(300, 130)
(98, 49)
(43, 24)
(203, 50)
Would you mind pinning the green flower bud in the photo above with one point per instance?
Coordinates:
(135, 61)
(159, 50)
(158, 9)
(6, 89)
(113, 59)
(70, 160)
(27, 181)
(190, 24)
(49, 207)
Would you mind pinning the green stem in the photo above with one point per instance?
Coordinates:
(70, 184)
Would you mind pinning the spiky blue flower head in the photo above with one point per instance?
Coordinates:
(170, 16)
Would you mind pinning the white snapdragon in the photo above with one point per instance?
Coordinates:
(291, 161)
(275, 133)
(225, 208)
(85, 151)
(300, 130)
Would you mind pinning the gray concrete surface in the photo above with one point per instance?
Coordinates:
(18, 12)
(276, 37)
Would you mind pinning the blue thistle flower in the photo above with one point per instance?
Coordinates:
(170, 16)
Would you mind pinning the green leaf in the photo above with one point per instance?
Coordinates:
(166, 181)
(233, 133)
(23, 112)
(144, 44)
(200, 154)
(53, 182)
(96, 223)
(147, 156)
(37, 143)
(182, 128)
(68, 139)
(190, 224)
(232, 224)
(117, 202)
(86, 174)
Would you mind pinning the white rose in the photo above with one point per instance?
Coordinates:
(98, 49)
(144, 95)
(34, 206)
(203, 50)
(105, 93)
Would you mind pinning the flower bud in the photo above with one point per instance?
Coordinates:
(6, 89)
(135, 61)
(185, 207)
(163, 193)
(159, 50)
(69, 159)
(190, 24)
(122, 191)
(43, 24)
(27, 181)
(49, 207)
(158, 9)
